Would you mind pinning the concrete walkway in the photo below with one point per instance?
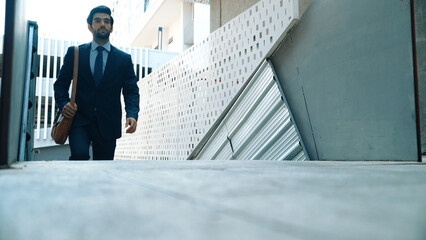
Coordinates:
(197, 200)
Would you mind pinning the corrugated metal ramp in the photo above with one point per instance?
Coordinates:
(257, 125)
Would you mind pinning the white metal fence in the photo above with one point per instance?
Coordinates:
(51, 54)
(181, 100)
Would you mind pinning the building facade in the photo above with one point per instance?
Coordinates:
(169, 25)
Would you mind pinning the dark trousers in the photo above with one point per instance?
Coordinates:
(80, 139)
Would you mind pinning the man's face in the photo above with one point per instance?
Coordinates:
(101, 26)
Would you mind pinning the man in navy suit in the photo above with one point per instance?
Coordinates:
(104, 72)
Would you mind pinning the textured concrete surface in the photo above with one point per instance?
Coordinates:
(223, 11)
(347, 74)
(65, 200)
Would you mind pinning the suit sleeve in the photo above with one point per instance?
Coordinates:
(131, 90)
(63, 82)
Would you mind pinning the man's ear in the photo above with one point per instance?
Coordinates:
(112, 28)
(90, 28)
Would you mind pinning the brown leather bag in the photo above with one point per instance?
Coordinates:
(61, 125)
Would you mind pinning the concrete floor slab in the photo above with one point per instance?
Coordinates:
(213, 200)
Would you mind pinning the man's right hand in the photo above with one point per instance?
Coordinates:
(69, 110)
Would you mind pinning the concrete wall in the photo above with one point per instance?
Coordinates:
(420, 19)
(347, 72)
(221, 11)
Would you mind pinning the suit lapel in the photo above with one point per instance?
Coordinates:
(85, 63)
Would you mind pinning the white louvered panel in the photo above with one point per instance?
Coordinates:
(300, 157)
(255, 104)
(224, 152)
(292, 151)
(262, 141)
(284, 142)
(259, 125)
(249, 97)
(253, 122)
(240, 108)
(218, 142)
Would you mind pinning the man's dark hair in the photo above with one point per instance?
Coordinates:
(99, 9)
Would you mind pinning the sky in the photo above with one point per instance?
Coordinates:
(61, 19)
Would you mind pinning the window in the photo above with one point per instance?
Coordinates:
(146, 5)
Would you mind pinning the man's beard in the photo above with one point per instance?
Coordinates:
(102, 35)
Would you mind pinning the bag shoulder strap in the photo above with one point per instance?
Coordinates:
(74, 76)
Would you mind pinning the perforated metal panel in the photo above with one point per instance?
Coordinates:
(181, 100)
(258, 126)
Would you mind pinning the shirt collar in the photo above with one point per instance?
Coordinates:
(107, 46)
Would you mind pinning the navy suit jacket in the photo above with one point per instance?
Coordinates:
(104, 99)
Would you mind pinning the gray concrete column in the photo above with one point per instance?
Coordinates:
(420, 20)
(222, 11)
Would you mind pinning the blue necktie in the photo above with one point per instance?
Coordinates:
(99, 62)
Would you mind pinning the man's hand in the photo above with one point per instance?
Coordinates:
(131, 124)
(69, 110)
